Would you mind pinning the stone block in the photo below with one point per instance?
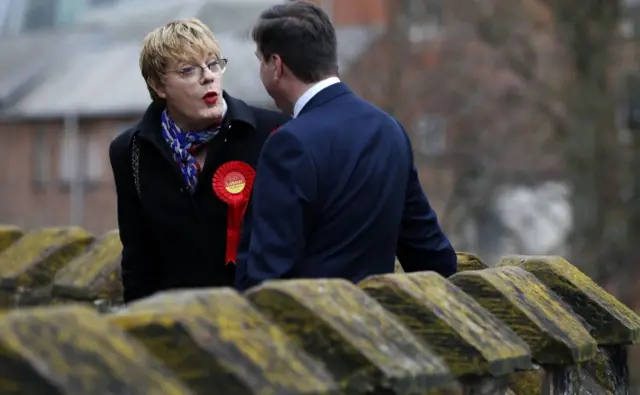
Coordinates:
(530, 382)
(6, 299)
(610, 321)
(9, 234)
(217, 339)
(366, 348)
(93, 275)
(74, 351)
(35, 259)
(610, 368)
(468, 261)
(472, 341)
(555, 380)
(552, 330)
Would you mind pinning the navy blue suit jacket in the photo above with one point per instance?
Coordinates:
(337, 195)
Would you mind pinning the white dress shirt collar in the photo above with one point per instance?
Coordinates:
(311, 92)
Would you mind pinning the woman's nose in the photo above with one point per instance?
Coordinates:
(207, 74)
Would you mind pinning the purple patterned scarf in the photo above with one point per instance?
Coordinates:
(184, 145)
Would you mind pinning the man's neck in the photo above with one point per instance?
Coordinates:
(307, 92)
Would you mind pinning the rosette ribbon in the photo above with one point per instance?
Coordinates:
(232, 183)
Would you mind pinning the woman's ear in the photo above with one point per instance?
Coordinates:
(157, 87)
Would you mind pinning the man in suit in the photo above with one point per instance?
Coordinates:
(336, 192)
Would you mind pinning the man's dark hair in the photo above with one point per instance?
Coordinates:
(302, 34)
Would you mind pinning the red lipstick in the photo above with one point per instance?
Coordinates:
(210, 97)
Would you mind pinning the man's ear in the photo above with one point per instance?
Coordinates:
(157, 87)
(278, 66)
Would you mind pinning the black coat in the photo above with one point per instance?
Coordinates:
(171, 238)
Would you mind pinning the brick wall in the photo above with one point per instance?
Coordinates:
(32, 188)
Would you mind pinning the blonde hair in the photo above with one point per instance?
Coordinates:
(177, 41)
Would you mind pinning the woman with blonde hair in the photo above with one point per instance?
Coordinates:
(184, 172)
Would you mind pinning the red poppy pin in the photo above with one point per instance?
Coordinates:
(275, 129)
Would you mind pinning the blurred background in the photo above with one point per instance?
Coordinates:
(524, 114)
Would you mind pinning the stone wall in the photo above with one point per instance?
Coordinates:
(528, 325)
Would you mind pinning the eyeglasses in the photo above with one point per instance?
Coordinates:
(217, 66)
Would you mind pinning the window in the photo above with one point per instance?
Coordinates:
(633, 103)
(41, 159)
(5, 7)
(81, 158)
(69, 163)
(627, 28)
(40, 15)
(431, 135)
(95, 158)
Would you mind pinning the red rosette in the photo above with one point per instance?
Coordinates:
(232, 183)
